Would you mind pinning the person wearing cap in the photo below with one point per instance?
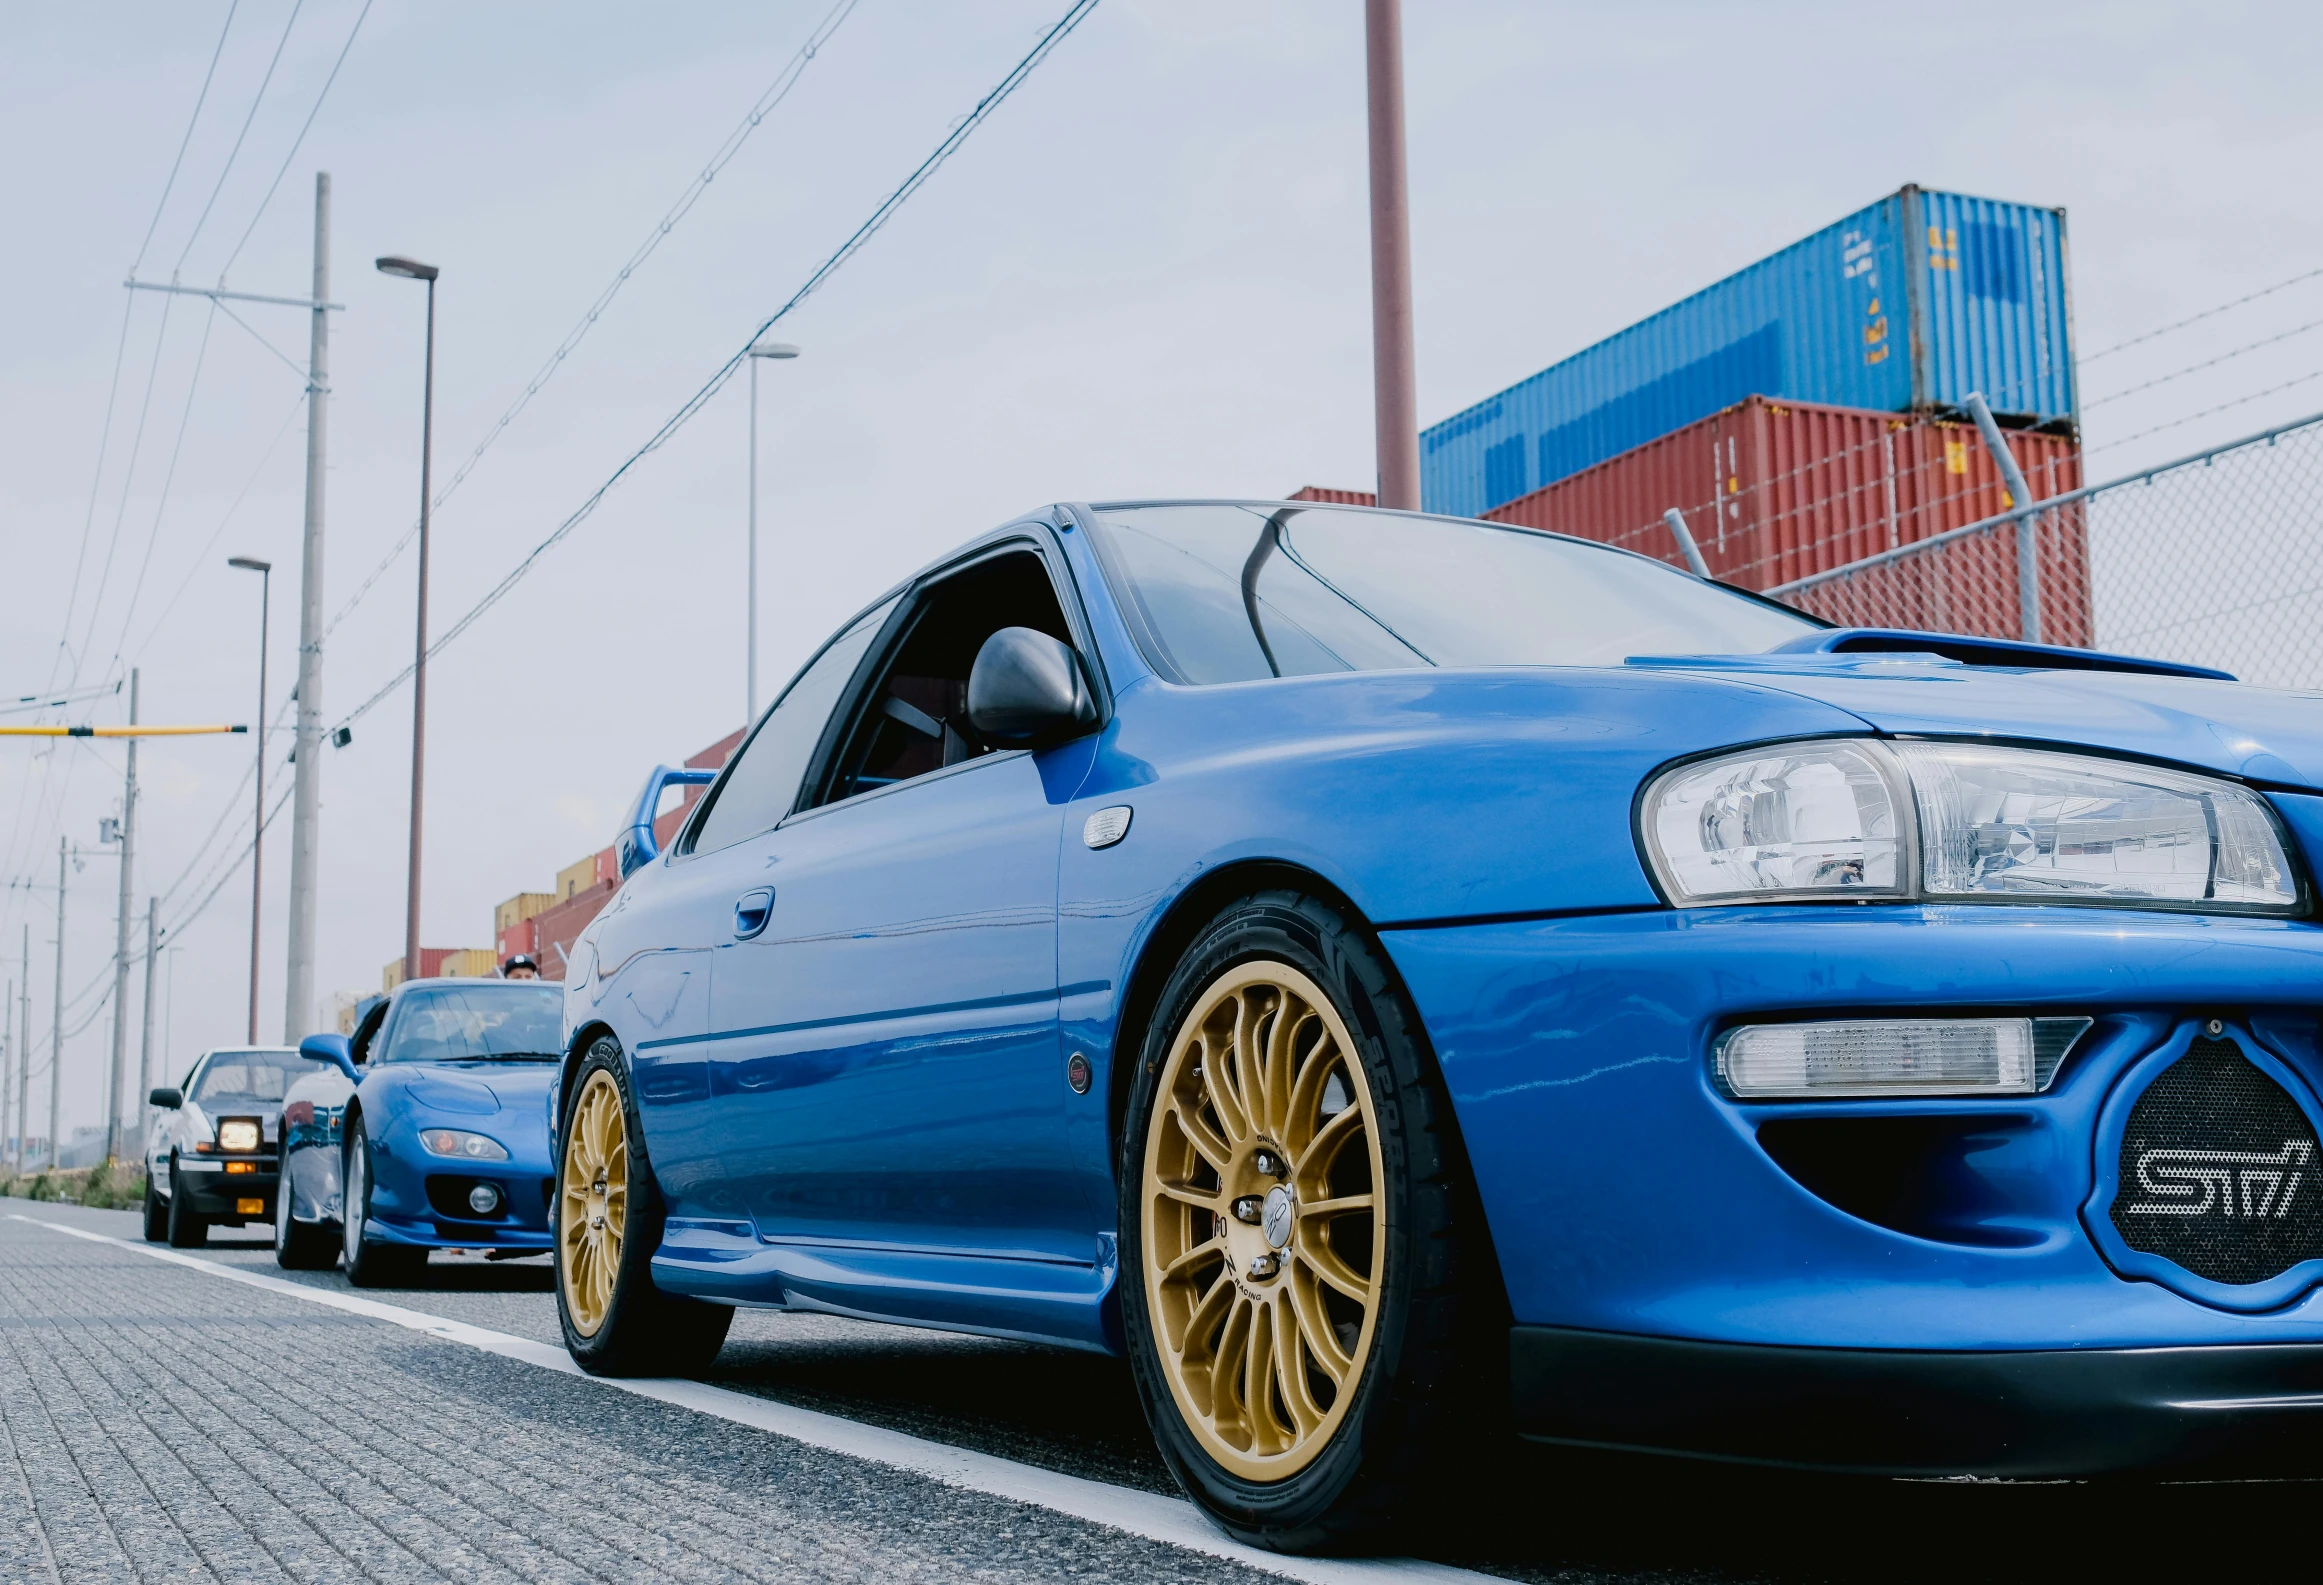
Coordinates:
(520, 967)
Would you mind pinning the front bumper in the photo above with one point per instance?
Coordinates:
(2215, 1411)
(1627, 1195)
(222, 1195)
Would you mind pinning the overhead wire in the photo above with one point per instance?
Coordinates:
(774, 94)
(959, 134)
(295, 143)
(195, 568)
(187, 141)
(168, 479)
(235, 152)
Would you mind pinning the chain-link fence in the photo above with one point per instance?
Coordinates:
(2216, 559)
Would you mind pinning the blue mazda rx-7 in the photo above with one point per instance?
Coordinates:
(1384, 973)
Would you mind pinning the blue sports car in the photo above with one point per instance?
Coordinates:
(1382, 972)
(430, 1131)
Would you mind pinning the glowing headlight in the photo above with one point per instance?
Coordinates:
(462, 1146)
(238, 1133)
(1958, 821)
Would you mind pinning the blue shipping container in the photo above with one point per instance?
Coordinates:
(1908, 305)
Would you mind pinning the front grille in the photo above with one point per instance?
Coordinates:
(2220, 1170)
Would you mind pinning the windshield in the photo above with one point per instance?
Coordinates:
(489, 1019)
(248, 1078)
(1226, 593)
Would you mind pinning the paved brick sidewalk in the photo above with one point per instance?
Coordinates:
(156, 1423)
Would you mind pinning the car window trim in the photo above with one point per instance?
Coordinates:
(1040, 534)
(857, 701)
(683, 846)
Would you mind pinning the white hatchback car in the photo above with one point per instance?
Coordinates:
(210, 1157)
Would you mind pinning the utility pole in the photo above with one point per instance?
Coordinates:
(56, 1033)
(5, 1044)
(118, 1079)
(298, 994)
(145, 1052)
(1396, 411)
(24, 1051)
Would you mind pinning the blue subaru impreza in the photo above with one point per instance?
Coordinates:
(1379, 971)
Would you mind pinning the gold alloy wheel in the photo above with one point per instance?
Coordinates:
(1263, 1224)
(594, 1214)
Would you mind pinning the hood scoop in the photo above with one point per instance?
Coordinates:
(1892, 646)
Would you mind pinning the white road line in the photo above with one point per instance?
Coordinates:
(1169, 1520)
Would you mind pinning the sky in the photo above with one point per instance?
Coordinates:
(1145, 274)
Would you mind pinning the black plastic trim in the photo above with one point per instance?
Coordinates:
(2225, 1409)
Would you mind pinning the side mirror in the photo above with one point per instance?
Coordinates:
(333, 1048)
(637, 847)
(167, 1097)
(1026, 690)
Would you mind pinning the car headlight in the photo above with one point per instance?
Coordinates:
(238, 1133)
(1960, 822)
(461, 1145)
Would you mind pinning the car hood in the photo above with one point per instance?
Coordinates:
(2261, 734)
(481, 1089)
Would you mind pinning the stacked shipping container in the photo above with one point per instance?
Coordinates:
(1773, 491)
(1904, 307)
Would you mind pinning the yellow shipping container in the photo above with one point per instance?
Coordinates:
(574, 879)
(519, 908)
(471, 963)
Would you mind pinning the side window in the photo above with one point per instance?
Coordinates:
(764, 784)
(915, 719)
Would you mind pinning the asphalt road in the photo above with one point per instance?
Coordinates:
(158, 1421)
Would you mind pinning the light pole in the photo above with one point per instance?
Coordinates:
(1396, 411)
(265, 571)
(412, 270)
(764, 349)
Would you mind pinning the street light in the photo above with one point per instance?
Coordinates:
(412, 270)
(764, 349)
(265, 571)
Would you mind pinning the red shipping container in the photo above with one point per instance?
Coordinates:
(1323, 493)
(556, 929)
(1774, 491)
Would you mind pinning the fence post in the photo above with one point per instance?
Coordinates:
(1677, 521)
(2028, 558)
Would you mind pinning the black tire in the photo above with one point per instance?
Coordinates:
(643, 1331)
(156, 1214)
(300, 1246)
(1414, 1391)
(188, 1228)
(371, 1262)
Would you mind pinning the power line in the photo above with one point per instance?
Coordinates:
(863, 233)
(235, 152)
(775, 93)
(304, 128)
(187, 141)
(2264, 291)
(168, 478)
(200, 556)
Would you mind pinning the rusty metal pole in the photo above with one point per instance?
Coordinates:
(1395, 402)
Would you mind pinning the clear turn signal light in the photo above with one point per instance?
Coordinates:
(1872, 1057)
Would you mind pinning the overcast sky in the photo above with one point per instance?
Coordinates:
(1146, 275)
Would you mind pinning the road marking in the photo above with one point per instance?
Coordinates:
(1170, 1520)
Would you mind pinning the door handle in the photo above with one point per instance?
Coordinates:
(752, 910)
